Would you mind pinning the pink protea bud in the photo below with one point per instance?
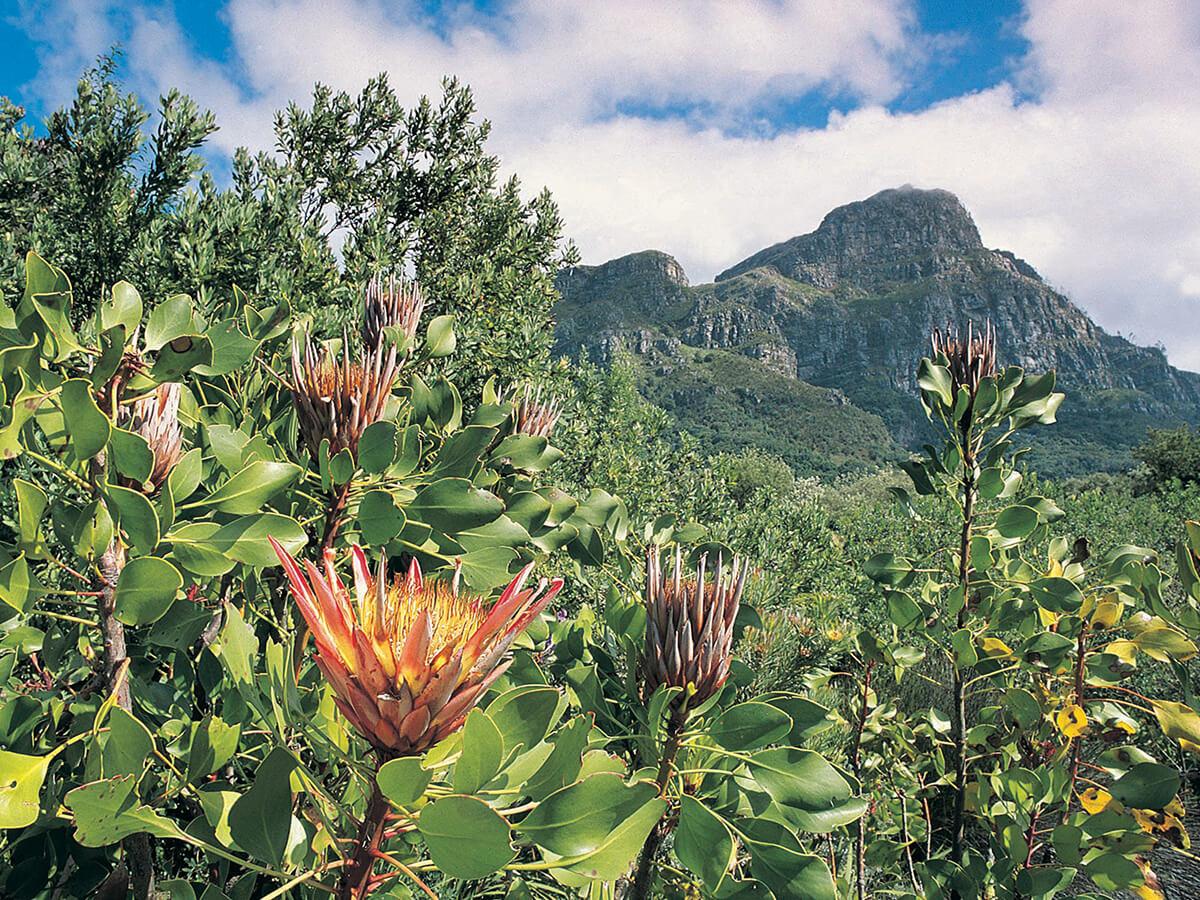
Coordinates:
(533, 413)
(409, 658)
(391, 303)
(689, 626)
(337, 398)
(156, 419)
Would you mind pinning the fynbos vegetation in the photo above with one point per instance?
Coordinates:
(295, 601)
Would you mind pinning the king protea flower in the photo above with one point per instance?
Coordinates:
(410, 657)
(534, 414)
(969, 359)
(689, 626)
(391, 303)
(156, 419)
(336, 399)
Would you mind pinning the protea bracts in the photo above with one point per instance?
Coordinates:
(689, 626)
(410, 657)
(970, 359)
(156, 419)
(336, 399)
(391, 303)
(533, 413)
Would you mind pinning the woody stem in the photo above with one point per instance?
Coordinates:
(356, 875)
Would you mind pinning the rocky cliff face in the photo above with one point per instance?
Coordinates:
(850, 306)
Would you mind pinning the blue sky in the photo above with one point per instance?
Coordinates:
(710, 129)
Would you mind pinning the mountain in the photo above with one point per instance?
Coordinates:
(808, 348)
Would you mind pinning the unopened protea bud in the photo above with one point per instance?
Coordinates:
(408, 658)
(689, 626)
(156, 419)
(969, 359)
(336, 399)
(534, 414)
(391, 303)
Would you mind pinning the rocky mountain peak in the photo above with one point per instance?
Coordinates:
(895, 235)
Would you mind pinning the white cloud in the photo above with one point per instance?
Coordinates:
(1094, 181)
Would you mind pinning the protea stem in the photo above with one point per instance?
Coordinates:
(333, 523)
(356, 874)
(645, 868)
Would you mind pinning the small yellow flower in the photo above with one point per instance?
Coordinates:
(834, 633)
(1071, 720)
(1095, 799)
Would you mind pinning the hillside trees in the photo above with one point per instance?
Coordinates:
(355, 185)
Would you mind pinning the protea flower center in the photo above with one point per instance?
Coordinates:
(336, 399)
(408, 658)
(689, 626)
(391, 303)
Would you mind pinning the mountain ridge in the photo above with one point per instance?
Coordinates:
(849, 306)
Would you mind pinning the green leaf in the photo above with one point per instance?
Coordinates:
(1147, 786)
(482, 753)
(565, 761)
(462, 450)
(778, 861)
(466, 837)
(377, 447)
(440, 339)
(108, 811)
(192, 548)
(703, 842)
(808, 718)
(184, 478)
(236, 646)
(87, 426)
(145, 589)
(31, 507)
(453, 504)
(245, 538)
(169, 320)
(231, 349)
(379, 519)
(19, 586)
(1165, 644)
(1056, 595)
(403, 781)
(131, 455)
(180, 356)
(260, 821)
(1017, 521)
(812, 792)
(134, 515)
(1113, 872)
(936, 380)
(124, 308)
(213, 744)
(488, 568)
(253, 486)
(748, 726)
(21, 780)
(598, 824)
(889, 569)
(128, 746)
(525, 714)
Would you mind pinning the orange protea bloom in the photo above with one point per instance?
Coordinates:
(336, 399)
(689, 626)
(409, 658)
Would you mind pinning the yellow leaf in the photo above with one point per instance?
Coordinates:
(1048, 619)
(1107, 614)
(1095, 799)
(1071, 720)
(995, 647)
(1056, 569)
